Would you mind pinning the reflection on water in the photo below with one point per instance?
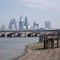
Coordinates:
(13, 47)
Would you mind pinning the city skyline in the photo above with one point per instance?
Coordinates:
(38, 10)
(23, 23)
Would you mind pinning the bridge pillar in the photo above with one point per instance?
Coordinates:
(26, 34)
(5, 34)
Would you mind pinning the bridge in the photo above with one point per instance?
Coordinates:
(47, 36)
(29, 33)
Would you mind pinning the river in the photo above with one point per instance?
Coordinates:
(13, 47)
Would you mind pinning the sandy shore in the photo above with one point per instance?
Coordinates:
(47, 54)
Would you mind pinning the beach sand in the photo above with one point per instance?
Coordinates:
(44, 54)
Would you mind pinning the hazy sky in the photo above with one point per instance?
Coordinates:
(38, 10)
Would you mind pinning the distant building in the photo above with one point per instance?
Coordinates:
(47, 24)
(21, 23)
(3, 27)
(12, 25)
(26, 22)
(35, 25)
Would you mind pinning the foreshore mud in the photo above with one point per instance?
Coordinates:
(45, 54)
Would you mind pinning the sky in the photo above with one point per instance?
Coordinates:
(36, 10)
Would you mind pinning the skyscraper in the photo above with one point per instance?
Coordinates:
(21, 23)
(26, 22)
(12, 25)
(35, 25)
(47, 24)
(3, 27)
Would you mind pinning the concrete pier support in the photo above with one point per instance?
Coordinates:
(5, 34)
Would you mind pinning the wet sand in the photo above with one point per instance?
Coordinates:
(45, 54)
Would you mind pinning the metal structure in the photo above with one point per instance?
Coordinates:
(11, 24)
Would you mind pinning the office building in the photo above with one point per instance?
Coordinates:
(12, 25)
(21, 23)
(35, 25)
(47, 24)
(26, 22)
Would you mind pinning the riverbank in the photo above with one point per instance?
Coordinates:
(29, 48)
(33, 54)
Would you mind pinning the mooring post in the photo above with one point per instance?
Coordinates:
(45, 41)
(57, 42)
(58, 39)
(44, 44)
(52, 43)
(39, 38)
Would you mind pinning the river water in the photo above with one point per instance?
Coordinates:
(13, 47)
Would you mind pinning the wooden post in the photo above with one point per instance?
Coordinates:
(57, 43)
(44, 41)
(39, 38)
(58, 40)
(47, 43)
(44, 44)
(52, 43)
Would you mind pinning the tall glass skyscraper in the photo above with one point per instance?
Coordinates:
(12, 25)
(47, 24)
(26, 22)
(21, 23)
